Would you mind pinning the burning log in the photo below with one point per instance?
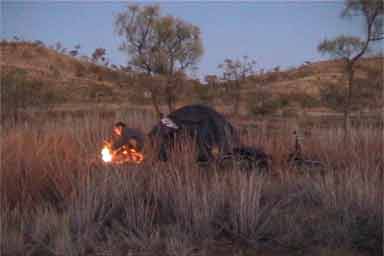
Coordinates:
(106, 154)
(124, 154)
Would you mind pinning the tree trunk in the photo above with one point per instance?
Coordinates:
(169, 97)
(237, 104)
(155, 104)
(348, 102)
(237, 97)
(169, 101)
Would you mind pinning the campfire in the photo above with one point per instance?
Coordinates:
(121, 155)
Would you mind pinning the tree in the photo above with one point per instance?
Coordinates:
(73, 53)
(58, 46)
(211, 80)
(350, 49)
(38, 43)
(262, 102)
(235, 73)
(76, 50)
(99, 55)
(154, 85)
(159, 45)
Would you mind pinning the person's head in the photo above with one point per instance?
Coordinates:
(118, 128)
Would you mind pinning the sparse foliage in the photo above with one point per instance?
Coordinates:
(372, 11)
(344, 47)
(156, 44)
(58, 46)
(351, 49)
(99, 55)
(154, 85)
(38, 43)
(235, 73)
(73, 53)
(212, 80)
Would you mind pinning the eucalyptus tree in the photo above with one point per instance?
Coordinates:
(350, 48)
(159, 45)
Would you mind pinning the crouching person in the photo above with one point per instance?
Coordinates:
(127, 144)
(128, 137)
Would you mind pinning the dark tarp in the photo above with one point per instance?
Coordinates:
(210, 129)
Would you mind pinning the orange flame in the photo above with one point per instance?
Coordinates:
(121, 155)
(106, 154)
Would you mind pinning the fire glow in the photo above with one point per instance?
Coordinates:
(106, 154)
(122, 155)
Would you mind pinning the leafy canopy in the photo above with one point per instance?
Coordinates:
(158, 44)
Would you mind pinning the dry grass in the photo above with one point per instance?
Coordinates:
(82, 83)
(57, 198)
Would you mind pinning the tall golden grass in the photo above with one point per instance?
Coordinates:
(57, 198)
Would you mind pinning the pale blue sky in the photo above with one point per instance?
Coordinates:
(275, 33)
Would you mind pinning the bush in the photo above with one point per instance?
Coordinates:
(50, 97)
(266, 106)
(18, 93)
(140, 97)
(80, 69)
(97, 70)
(204, 94)
(54, 70)
(304, 100)
(333, 96)
(98, 91)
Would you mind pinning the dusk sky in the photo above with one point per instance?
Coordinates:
(274, 33)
